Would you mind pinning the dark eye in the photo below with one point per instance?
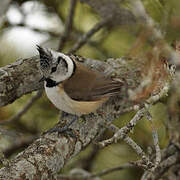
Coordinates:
(53, 69)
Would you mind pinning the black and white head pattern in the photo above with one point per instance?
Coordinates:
(54, 65)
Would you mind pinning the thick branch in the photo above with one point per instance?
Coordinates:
(22, 76)
(19, 78)
(48, 154)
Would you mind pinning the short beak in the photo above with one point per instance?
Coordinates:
(42, 79)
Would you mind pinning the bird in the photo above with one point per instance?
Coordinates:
(72, 87)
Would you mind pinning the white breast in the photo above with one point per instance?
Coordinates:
(59, 99)
(63, 102)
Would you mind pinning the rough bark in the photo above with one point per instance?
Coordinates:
(19, 78)
(48, 154)
(22, 76)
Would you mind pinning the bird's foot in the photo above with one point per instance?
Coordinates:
(65, 129)
(62, 130)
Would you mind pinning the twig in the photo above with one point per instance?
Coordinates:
(80, 174)
(110, 170)
(146, 164)
(162, 168)
(128, 140)
(68, 25)
(155, 140)
(157, 148)
(121, 133)
(166, 164)
(83, 39)
(25, 109)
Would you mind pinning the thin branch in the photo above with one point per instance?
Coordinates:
(79, 174)
(146, 164)
(162, 168)
(25, 108)
(111, 170)
(84, 38)
(155, 140)
(52, 151)
(166, 164)
(121, 133)
(68, 25)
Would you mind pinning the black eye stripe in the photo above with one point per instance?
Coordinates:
(59, 59)
(66, 65)
(53, 69)
(63, 60)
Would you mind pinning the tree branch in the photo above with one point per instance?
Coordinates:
(19, 78)
(171, 157)
(83, 39)
(68, 25)
(79, 174)
(48, 154)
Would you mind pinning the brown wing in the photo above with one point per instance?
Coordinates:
(88, 85)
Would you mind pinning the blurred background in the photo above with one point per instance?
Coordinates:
(25, 23)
